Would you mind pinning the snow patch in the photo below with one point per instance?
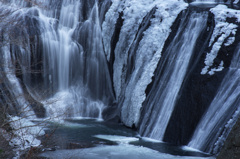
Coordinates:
(187, 148)
(223, 34)
(24, 134)
(133, 13)
(118, 139)
(218, 69)
(108, 25)
(151, 140)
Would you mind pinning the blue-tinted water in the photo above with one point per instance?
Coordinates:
(92, 139)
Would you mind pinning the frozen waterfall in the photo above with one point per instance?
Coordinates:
(168, 69)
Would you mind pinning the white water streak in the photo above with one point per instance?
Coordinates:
(223, 105)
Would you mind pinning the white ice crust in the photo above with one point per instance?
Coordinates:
(223, 31)
(148, 53)
(24, 134)
(117, 138)
(108, 25)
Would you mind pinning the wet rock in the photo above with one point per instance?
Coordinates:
(236, 141)
(231, 148)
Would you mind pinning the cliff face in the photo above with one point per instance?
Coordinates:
(231, 148)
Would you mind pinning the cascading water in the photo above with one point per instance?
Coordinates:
(136, 59)
(11, 91)
(170, 76)
(21, 104)
(78, 57)
(226, 102)
(222, 108)
(72, 61)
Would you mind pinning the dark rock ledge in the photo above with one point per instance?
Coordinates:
(231, 148)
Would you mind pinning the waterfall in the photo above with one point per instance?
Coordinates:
(65, 49)
(226, 101)
(170, 76)
(12, 93)
(77, 61)
(21, 104)
(59, 47)
(136, 61)
(221, 109)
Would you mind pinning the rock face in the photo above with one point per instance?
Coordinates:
(231, 148)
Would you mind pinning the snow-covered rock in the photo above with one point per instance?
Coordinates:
(223, 34)
(24, 134)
